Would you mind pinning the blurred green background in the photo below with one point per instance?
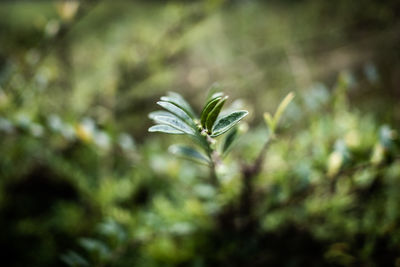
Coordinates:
(82, 182)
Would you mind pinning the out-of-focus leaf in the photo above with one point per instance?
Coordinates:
(126, 142)
(269, 121)
(207, 109)
(112, 229)
(213, 115)
(282, 106)
(180, 113)
(72, 258)
(335, 162)
(229, 139)
(378, 154)
(175, 123)
(67, 9)
(341, 147)
(96, 247)
(6, 126)
(338, 158)
(273, 122)
(180, 102)
(387, 136)
(181, 228)
(189, 153)
(164, 129)
(227, 122)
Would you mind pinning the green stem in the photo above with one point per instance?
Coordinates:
(214, 159)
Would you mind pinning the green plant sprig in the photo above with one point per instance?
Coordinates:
(178, 117)
(273, 121)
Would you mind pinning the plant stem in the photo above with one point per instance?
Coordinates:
(248, 172)
(213, 174)
(214, 159)
(254, 169)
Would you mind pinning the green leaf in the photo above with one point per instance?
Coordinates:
(71, 258)
(227, 122)
(175, 123)
(214, 96)
(282, 107)
(189, 153)
(270, 122)
(229, 139)
(387, 136)
(178, 112)
(180, 102)
(273, 122)
(155, 114)
(207, 109)
(213, 115)
(164, 129)
(159, 113)
(96, 247)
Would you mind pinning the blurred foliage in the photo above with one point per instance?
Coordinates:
(82, 182)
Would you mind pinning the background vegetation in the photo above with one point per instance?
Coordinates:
(82, 182)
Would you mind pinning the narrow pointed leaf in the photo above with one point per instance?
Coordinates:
(213, 115)
(215, 95)
(227, 122)
(189, 153)
(153, 114)
(207, 109)
(175, 123)
(180, 102)
(164, 129)
(178, 112)
(229, 139)
(282, 107)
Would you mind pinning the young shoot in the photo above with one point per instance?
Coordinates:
(178, 117)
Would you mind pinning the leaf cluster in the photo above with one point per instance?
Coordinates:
(178, 117)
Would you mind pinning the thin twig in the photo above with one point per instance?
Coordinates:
(254, 169)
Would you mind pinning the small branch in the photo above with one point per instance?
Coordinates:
(247, 192)
(213, 174)
(254, 169)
